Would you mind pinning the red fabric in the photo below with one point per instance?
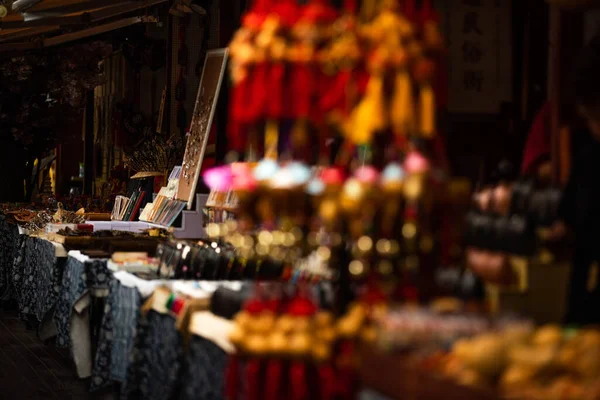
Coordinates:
(273, 380)
(335, 97)
(325, 83)
(326, 382)
(538, 140)
(177, 306)
(301, 306)
(373, 295)
(258, 86)
(254, 306)
(240, 95)
(238, 107)
(301, 83)
(410, 9)
(298, 384)
(276, 91)
(350, 6)
(346, 376)
(253, 380)
(319, 11)
(232, 384)
(288, 12)
(236, 136)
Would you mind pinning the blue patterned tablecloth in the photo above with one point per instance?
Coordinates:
(36, 277)
(78, 278)
(9, 238)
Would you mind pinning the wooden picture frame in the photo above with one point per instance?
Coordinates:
(202, 118)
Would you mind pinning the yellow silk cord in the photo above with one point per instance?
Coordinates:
(271, 139)
(402, 105)
(427, 123)
(370, 114)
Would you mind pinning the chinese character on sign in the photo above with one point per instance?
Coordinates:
(470, 24)
(473, 81)
(472, 52)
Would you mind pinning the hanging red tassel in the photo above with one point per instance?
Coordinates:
(409, 10)
(326, 382)
(258, 87)
(426, 11)
(298, 384)
(257, 14)
(253, 379)
(236, 135)
(346, 377)
(301, 83)
(350, 7)
(373, 295)
(273, 380)
(232, 382)
(276, 101)
(335, 97)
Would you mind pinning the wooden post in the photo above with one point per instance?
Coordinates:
(88, 145)
(566, 40)
(555, 92)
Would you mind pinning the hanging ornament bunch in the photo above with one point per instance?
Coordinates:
(302, 74)
(286, 212)
(288, 348)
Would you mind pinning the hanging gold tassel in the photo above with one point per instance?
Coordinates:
(402, 107)
(427, 123)
(271, 139)
(299, 135)
(370, 114)
(368, 9)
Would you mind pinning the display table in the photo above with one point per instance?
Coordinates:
(393, 376)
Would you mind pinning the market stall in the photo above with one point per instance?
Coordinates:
(327, 258)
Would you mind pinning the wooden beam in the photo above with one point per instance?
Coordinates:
(575, 4)
(16, 47)
(12, 34)
(109, 12)
(73, 5)
(20, 22)
(69, 37)
(75, 18)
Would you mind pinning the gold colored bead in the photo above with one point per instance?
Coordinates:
(365, 244)
(232, 225)
(261, 249)
(212, 230)
(288, 239)
(413, 188)
(248, 241)
(409, 230)
(297, 232)
(265, 238)
(223, 230)
(278, 237)
(324, 253)
(356, 268)
(383, 246)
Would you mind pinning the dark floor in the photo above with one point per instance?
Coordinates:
(30, 369)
